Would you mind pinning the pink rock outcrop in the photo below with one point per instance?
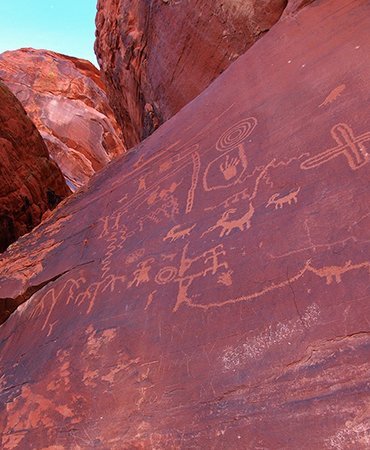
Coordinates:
(65, 97)
(210, 289)
(30, 183)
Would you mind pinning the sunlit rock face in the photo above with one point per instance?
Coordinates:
(66, 99)
(210, 288)
(30, 183)
(156, 56)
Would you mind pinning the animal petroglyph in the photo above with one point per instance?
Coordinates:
(90, 294)
(176, 233)
(349, 145)
(68, 292)
(279, 201)
(335, 273)
(227, 224)
(334, 94)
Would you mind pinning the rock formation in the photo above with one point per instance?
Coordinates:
(156, 56)
(210, 288)
(66, 99)
(30, 183)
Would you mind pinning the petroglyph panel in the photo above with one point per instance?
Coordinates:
(211, 287)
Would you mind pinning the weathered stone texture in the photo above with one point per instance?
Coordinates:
(30, 183)
(211, 288)
(156, 56)
(65, 97)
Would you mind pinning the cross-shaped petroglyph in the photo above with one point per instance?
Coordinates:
(349, 145)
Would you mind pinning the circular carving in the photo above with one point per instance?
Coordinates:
(236, 134)
(166, 275)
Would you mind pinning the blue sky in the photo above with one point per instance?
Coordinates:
(65, 26)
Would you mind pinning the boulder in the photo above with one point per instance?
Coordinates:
(65, 97)
(156, 56)
(210, 288)
(30, 183)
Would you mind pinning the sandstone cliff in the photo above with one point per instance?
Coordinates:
(30, 183)
(156, 56)
(66, 99)
(210, 289)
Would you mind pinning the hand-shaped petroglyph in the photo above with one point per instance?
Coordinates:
(229, 167)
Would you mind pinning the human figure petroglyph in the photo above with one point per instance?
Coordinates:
(69, 290)
(141, 274)
(177, 233)
(279, 202)
(349, 145)
(142, 183)
(227, 224)
(90, 294)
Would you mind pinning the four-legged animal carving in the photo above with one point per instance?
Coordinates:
(228, 224)
(286, 199)
(176, 233)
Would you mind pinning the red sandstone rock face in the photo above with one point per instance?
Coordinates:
(210, 289)
(30, 183)
(156, 56)
(65, 98)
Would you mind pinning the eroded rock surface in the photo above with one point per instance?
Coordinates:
(156, 56)
(30, 183)
(211, 288)
(65, 97)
